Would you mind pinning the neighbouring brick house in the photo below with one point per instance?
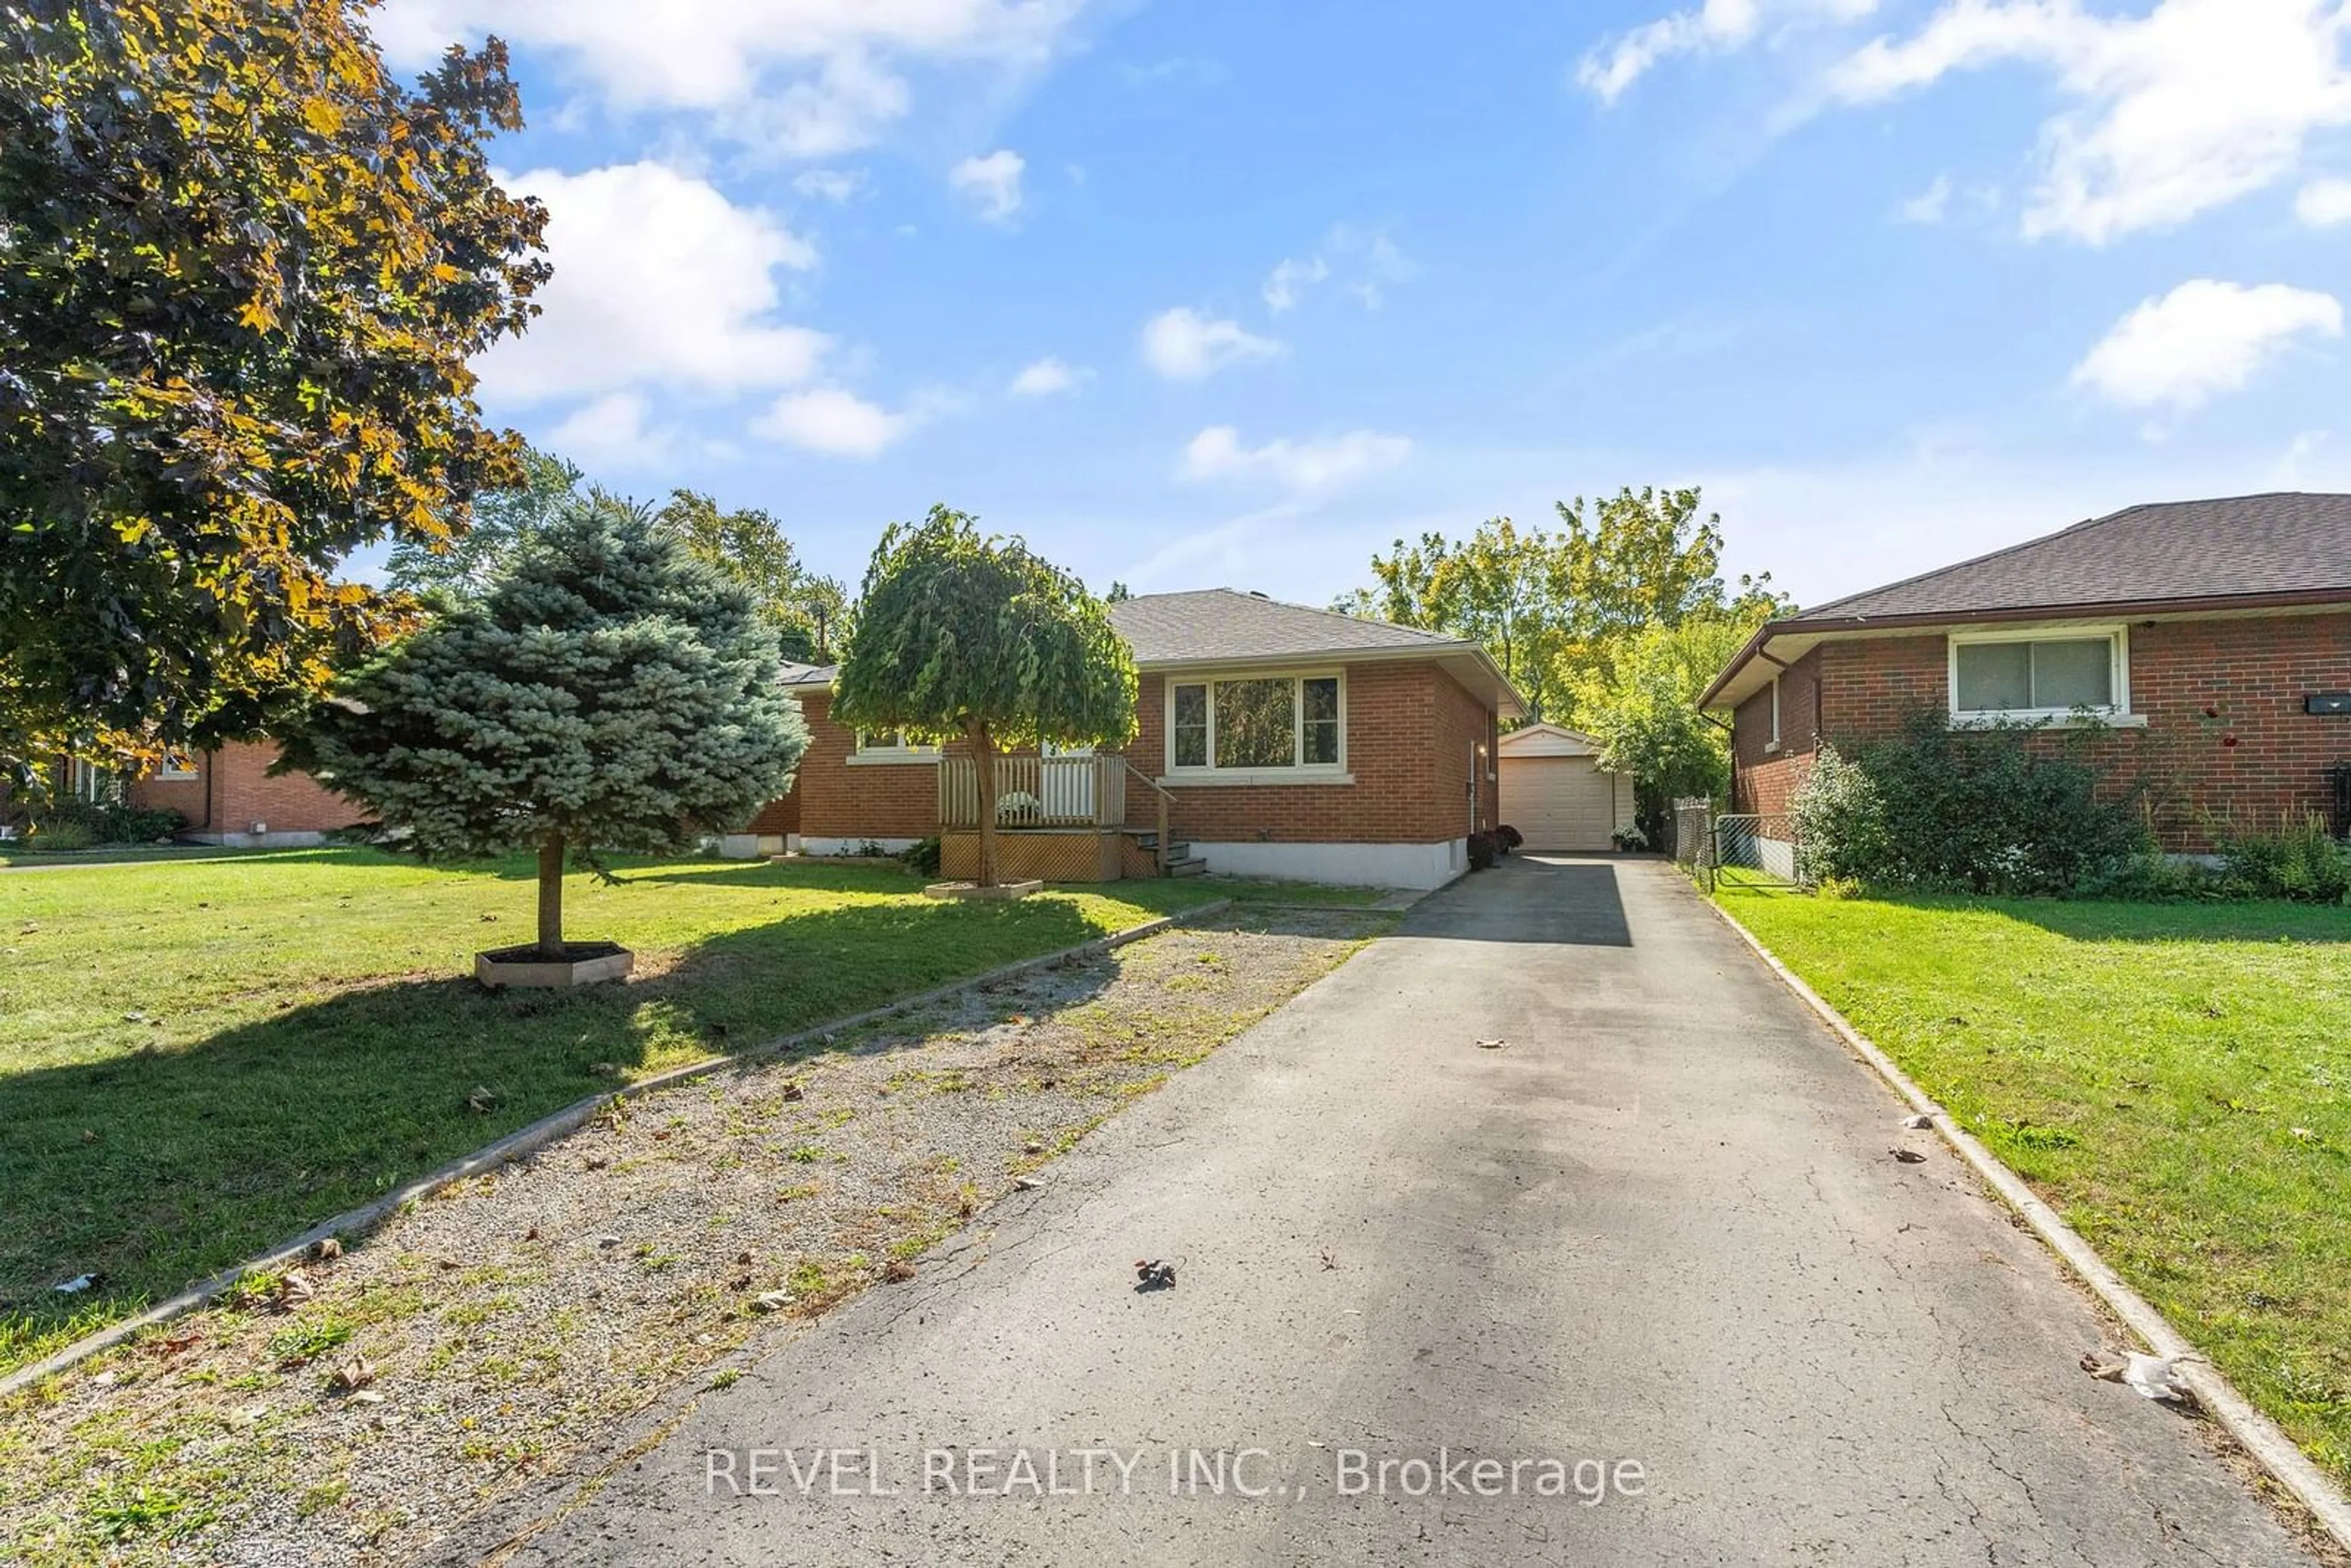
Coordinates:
(2212, 639)
(1281, 740)
(227, 795)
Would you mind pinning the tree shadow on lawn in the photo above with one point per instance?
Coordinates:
(157, 1169)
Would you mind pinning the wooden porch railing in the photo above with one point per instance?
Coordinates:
(1087, 792)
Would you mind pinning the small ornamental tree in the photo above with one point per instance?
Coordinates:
(609, 693)
(967, 637)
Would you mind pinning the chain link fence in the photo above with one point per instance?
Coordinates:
(1693, 845)
(1756, 849)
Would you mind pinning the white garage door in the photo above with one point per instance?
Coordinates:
(1559, 803)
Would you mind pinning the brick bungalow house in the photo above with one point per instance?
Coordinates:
(2212, 638)
(1279, 741)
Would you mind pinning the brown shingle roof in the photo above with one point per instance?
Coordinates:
(1220, 623)
(2243, 546)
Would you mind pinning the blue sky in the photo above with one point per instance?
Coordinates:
(1236, 293)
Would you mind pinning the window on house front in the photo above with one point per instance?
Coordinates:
(1995, 677)
(1256, 723)
(891, 742)
(177, 767)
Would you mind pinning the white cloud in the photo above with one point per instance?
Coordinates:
(1289, 279)
(2203, 338)
(1364, 261)
(2187, 108)
(1046, 377)
(796, 77)
(1716, 26)
(2324, 204)
(611, 432)
(1928, 206)
(1216, 454)
(2295, 470)
(991, 184)
(658, 279)
(1184, 345)
(836, 422)
(829, 184)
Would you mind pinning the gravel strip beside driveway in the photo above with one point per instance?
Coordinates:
(517, 1322)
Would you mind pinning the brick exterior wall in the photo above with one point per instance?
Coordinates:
(2254, 669)
(845, 800)
(233, 790)
(1409, 730)
(1764, 776)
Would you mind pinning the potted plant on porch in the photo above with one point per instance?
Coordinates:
(972, 638)
(609, 692)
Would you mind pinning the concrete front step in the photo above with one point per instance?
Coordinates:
(1190, 865)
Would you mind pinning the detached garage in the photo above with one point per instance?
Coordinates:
(1554, 791)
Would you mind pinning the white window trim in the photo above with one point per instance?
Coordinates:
(1311, 773)
(177, 768)
(2117, 713)
(865, 756)
(1771, 742)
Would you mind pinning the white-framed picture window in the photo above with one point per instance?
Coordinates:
(177, 767)
(2040, 674)
(1258, 724)
(893, 746)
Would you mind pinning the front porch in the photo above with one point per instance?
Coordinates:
(1058, 819)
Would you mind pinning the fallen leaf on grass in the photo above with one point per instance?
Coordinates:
(482, 1098)
(326, 1249)
(793, 1092)
(353, 1375)
(898, 1271)
(771, 1301)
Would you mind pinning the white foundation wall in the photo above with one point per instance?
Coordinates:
(1350, 865)
(808, 846)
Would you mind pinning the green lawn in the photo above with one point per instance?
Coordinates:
(2175, 1079)
(199, 1059)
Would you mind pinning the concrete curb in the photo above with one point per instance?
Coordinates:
(2260, 1436)
(530, 1140)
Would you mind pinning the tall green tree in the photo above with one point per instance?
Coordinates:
(242, 270)
(967, 637)
(1639, 559)
(1507, 590)
(1643, 709)
(609, 692)
(463, 566)
(1554, 608)
(809, 612)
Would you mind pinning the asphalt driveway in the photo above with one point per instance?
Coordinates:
(1649, 1259)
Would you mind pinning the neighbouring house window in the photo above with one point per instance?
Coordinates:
(2001, 677)
(1772, 743)
(1255, 723)
(176, 765)
(891, 742)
